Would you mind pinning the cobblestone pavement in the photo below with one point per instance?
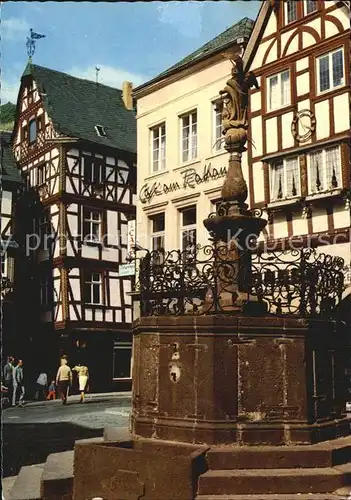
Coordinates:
(95, 413)
(31, 433)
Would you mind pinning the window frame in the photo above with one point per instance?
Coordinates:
(305, 5)
(162, 160)
(32, 121)
(182, 117)
(284, 161)
(286, 12)
(91, 221)
(3, 259)
(330, 61)
(268, 96)
(44, 226)
(92, 282)
(324, 169)
(217, 142)
(41, 178)
(94, 164)
(157, 234)
(184, 228)
(120, 345)
(100, 130)
(44, 291)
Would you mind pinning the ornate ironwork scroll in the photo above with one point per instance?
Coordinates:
(298, 282)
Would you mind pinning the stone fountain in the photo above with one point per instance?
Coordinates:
(225, 402)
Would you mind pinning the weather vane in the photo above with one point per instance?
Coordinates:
(97, 69)
(31, 42)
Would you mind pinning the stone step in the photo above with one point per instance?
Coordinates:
(6, 486)
(57, 478)
(27, 484)
(113, 433)
(268, 481)
(325, 454)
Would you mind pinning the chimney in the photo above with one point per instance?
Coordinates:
(127, 89)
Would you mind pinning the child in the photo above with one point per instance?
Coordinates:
(52, 390)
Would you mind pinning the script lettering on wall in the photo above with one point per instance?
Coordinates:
(190, 178)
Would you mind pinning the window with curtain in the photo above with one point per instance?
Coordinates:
(285, 179)
(324, 170)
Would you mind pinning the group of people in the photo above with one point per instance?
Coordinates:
(14, 381)
(64, 379)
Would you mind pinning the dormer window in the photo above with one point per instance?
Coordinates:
(32, 131)
(99, 129)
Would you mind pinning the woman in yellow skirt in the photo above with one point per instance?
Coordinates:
(83, 376)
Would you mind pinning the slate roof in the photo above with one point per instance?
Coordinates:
(75, 106)
(9, 171)
(242, 29)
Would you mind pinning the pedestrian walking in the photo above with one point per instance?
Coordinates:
(51, 391)
(42, 384)
(83, 376)
(64, 379)
(18, 384)
(8, 376)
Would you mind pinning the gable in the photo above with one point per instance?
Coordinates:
(273, 38)
(76, 106)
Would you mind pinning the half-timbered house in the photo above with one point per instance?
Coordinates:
(75, 143)
(9, 188)
(299, 156)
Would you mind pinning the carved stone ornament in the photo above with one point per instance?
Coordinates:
(234, 106)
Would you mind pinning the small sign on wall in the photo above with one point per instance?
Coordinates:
(131, 239)
(126, 269)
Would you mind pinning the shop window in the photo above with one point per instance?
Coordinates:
(122, 360)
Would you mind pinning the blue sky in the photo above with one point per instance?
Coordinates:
(128, 41)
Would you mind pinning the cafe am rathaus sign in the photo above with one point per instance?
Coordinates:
(190, 178)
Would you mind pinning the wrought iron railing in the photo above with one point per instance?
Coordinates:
(299, 282)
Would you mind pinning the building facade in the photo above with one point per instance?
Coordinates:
(10, 187)
(299, 157)
(75, 144)
(183, 163)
